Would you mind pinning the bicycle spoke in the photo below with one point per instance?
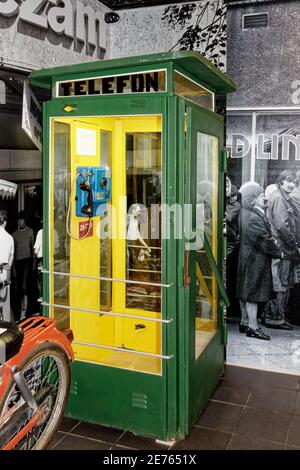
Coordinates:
(40, 372)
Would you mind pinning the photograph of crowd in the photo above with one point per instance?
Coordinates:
(263, 254)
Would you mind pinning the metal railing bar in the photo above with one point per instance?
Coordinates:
(104, 312)
(112, 279)
(130, 351)
(145, 248)
(131, 294)
(144, 270)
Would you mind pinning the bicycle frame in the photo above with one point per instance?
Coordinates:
(36, 330)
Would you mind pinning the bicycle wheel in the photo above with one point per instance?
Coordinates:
(46, 367)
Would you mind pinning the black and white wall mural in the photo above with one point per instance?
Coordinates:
(201, 27)
(263, 137)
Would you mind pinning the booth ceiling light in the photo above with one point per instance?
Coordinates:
(7, 189)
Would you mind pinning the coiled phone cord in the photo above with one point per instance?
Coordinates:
(68, 219)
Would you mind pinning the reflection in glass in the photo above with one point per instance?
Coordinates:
(105, 242)
(190, 90)
(277, 146)
(143, 252)
(207, 198)
(239, 141)
(60, 241)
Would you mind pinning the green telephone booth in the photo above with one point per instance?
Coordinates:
(134, 164)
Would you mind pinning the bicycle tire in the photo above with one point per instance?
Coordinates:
(55, 353)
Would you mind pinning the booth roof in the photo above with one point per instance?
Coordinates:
(190, 61)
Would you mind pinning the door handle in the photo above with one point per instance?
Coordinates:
(187, 279)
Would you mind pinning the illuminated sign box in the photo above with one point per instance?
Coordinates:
(144, 82)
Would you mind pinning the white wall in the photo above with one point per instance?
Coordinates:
(143, 30)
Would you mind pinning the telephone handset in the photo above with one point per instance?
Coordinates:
(85, 185)
(93, 191)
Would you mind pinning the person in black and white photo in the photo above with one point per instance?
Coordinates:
(294, 300)
(6, 259)
(233, 208)
(257, 249)
(281, 215)
(23, 261)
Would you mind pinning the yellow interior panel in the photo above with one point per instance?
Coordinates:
(84, 254)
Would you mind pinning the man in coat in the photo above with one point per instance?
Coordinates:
(281, 215)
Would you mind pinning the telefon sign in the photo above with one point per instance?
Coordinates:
(71, 18)
(145, 82)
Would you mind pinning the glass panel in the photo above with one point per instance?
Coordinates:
(190, 90)
(207, 198)
(105, 242)
(143, 251)
(133, 161)
(277, 146)
(59, 242)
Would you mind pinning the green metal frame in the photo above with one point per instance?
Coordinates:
(151, 389)
(204, 372)
(191, 62)
(162, 406)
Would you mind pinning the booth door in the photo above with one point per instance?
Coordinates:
(109, 290)
(204, 193)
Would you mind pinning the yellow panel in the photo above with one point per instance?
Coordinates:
(85, 258)
(148, 338)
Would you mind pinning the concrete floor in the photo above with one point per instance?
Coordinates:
(281, 354)
(250, 409)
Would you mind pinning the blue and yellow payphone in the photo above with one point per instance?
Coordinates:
(93, 191)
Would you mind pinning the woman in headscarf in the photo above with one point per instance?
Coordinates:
(257, 248)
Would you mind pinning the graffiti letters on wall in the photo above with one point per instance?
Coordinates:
(72, 19)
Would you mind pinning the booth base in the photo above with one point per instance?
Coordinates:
(134, 402)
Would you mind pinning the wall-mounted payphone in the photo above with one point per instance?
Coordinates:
(93, 190)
